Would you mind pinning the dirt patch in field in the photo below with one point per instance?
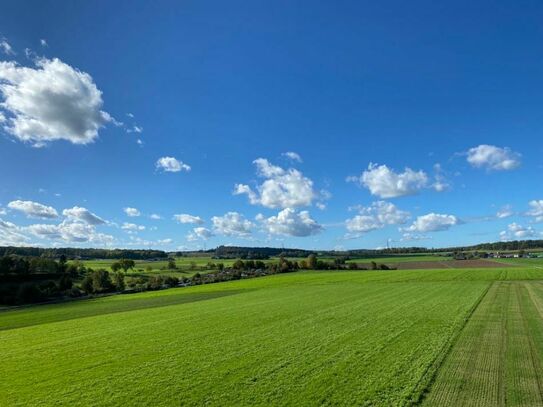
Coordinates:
(445, 264)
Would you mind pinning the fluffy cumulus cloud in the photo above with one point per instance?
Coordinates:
(83, 214)
(171, 164)
(155, 216)
(186, 218)
(291, 155)
(536, 210)
(232, 224)
(515, 231)
(432, 222)
(493, 158)
(70, 232)
(386, 183)
(51, 101)
(376, 216)
(132, 212)
(280, 189)
(33, 209)
(289, 222)
(132, 227)
(199, 233)
(11, 234)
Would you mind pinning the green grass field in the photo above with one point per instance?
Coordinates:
(160, 267)
(307, 338)
(525, 262)
(498, 357)
(185, 265)
(399, 259)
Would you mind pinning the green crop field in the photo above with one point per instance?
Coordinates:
(399, 259)
(525, 262)
(498, 357)
(440, 337)
(186, 266)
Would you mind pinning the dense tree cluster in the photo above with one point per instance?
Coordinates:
(257, 268)
(256, 253)
(34, 279)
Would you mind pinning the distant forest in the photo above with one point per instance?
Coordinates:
(77, 253)
(255, 253)
(236, 252)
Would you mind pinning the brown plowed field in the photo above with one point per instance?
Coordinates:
(445, 264)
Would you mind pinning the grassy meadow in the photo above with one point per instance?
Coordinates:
(305, 338)
(497, 359)
(187, 266)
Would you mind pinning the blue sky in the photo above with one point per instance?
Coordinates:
(412, 123)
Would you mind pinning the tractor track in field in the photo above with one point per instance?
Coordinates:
(478, 370)
(423, 388)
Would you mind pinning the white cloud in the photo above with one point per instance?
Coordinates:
(51, 102)
(505, 212)
(132, 212)
(362, 224)
(385, 183)
(71, 232)
(493, 158)
(5, 47)
(11, 234)
(139, 142)
(186, 218)
(155, 216)
(289, 222)
(321, 206)
(432, 222)
(440, 182)
(135, 129)
(281, 189)
(515, 231)
(130, 115)
(171, 164)
(132, 227)
(43, 42)
(33, 209)
(376, 216)
(292, 156)
(232, 224)
(199, 233)
(83, 214)
(45, 230)
(536, 210)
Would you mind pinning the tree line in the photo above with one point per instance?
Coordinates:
(35, 279)
(82, 253)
